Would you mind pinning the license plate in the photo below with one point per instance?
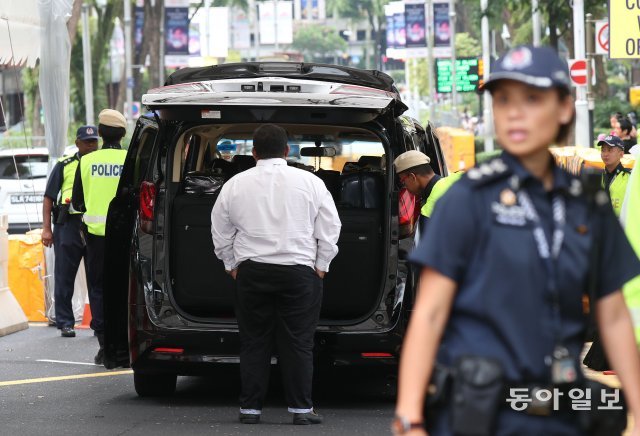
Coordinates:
(26, 198)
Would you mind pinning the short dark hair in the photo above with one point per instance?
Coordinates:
(111, 134)
(421, 170)
(565, 129)
(625, 125)
(270, 141)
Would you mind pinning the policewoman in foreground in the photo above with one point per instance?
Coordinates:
(94, 187)
(505, 263)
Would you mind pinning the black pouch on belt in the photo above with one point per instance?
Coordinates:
(477, 392)
(62, 215)
(438, 391)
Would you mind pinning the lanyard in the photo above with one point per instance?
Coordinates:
(548, 254)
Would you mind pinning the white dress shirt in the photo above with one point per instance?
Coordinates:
(275, 214)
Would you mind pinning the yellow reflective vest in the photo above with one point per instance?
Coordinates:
(100, 173)
(441, 186)
(617, 188)
(70, 165)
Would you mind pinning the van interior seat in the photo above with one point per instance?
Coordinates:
(202, 288)
(374, 162)
(331, 180)
(201, 285)
(244, 162)
(352, 284)
(227, 168)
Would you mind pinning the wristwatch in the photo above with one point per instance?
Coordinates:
(401, 425)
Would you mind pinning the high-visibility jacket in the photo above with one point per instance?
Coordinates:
(617, 188)
(630, 217)
(438, 190)
(100, 173)
(68, 176)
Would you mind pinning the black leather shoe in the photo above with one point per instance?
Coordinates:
(307, 418)
(68, 332)
(99, 359)
(249, 418)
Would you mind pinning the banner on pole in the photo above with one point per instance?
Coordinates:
(176, 31)
(442, 31)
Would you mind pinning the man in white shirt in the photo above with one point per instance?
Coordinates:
(276, 228)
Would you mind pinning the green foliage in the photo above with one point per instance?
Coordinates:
(603, 111)
(467, 46)
(318, 42)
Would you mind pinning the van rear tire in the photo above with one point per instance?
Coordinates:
(154, 385)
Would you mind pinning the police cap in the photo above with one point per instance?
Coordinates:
(410, 159)
(113, 118)
(536, 66)
(87, 133)
(611, 141)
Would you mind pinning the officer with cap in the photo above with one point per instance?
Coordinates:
(415, 173)
(614, 177)
(95, 185)
(65, 237)
(506, 258)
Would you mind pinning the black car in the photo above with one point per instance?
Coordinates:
(169, 306)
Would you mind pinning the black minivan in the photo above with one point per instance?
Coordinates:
(169, 306)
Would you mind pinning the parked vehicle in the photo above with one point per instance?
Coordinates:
(23, 179)
(169, 306)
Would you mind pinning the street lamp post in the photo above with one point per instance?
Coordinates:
(486, 63)
(454, 86)
(582, 110)
(128, 64)
(88, 75)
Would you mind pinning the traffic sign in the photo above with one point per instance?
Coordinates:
(602, 37)
(578, 72)
(624, 30)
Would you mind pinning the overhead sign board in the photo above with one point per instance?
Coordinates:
(468, 75)
(624, 29)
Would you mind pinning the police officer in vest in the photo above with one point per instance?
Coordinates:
(614, 177)
(65, 238)
(415, 173)
(95, 185)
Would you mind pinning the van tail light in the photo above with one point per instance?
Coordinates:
(147, 203)
(376, 355)
(167, 350)
(408, 211)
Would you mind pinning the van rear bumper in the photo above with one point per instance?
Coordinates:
(194, 353)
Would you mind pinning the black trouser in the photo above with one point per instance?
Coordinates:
(69, 250)
(94, 262)
(281, 304)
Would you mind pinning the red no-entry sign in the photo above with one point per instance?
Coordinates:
(578, 72)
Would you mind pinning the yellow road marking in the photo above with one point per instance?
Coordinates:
(64, 377)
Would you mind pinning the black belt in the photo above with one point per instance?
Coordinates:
(540, 399)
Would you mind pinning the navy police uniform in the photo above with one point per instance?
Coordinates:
(502, 308)
(68, 246)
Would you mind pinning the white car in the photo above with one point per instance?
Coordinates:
(23, 179)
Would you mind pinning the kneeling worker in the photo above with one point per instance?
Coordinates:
(95, 186)
(415, 173)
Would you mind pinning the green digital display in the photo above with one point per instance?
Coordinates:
(468, 75)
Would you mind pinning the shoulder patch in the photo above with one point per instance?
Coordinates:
(67, 159)
(488, 172)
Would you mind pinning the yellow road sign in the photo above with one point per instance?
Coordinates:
(624, 29)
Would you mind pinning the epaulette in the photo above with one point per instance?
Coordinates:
(67, 160)
(487, 172)
(626, 170)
